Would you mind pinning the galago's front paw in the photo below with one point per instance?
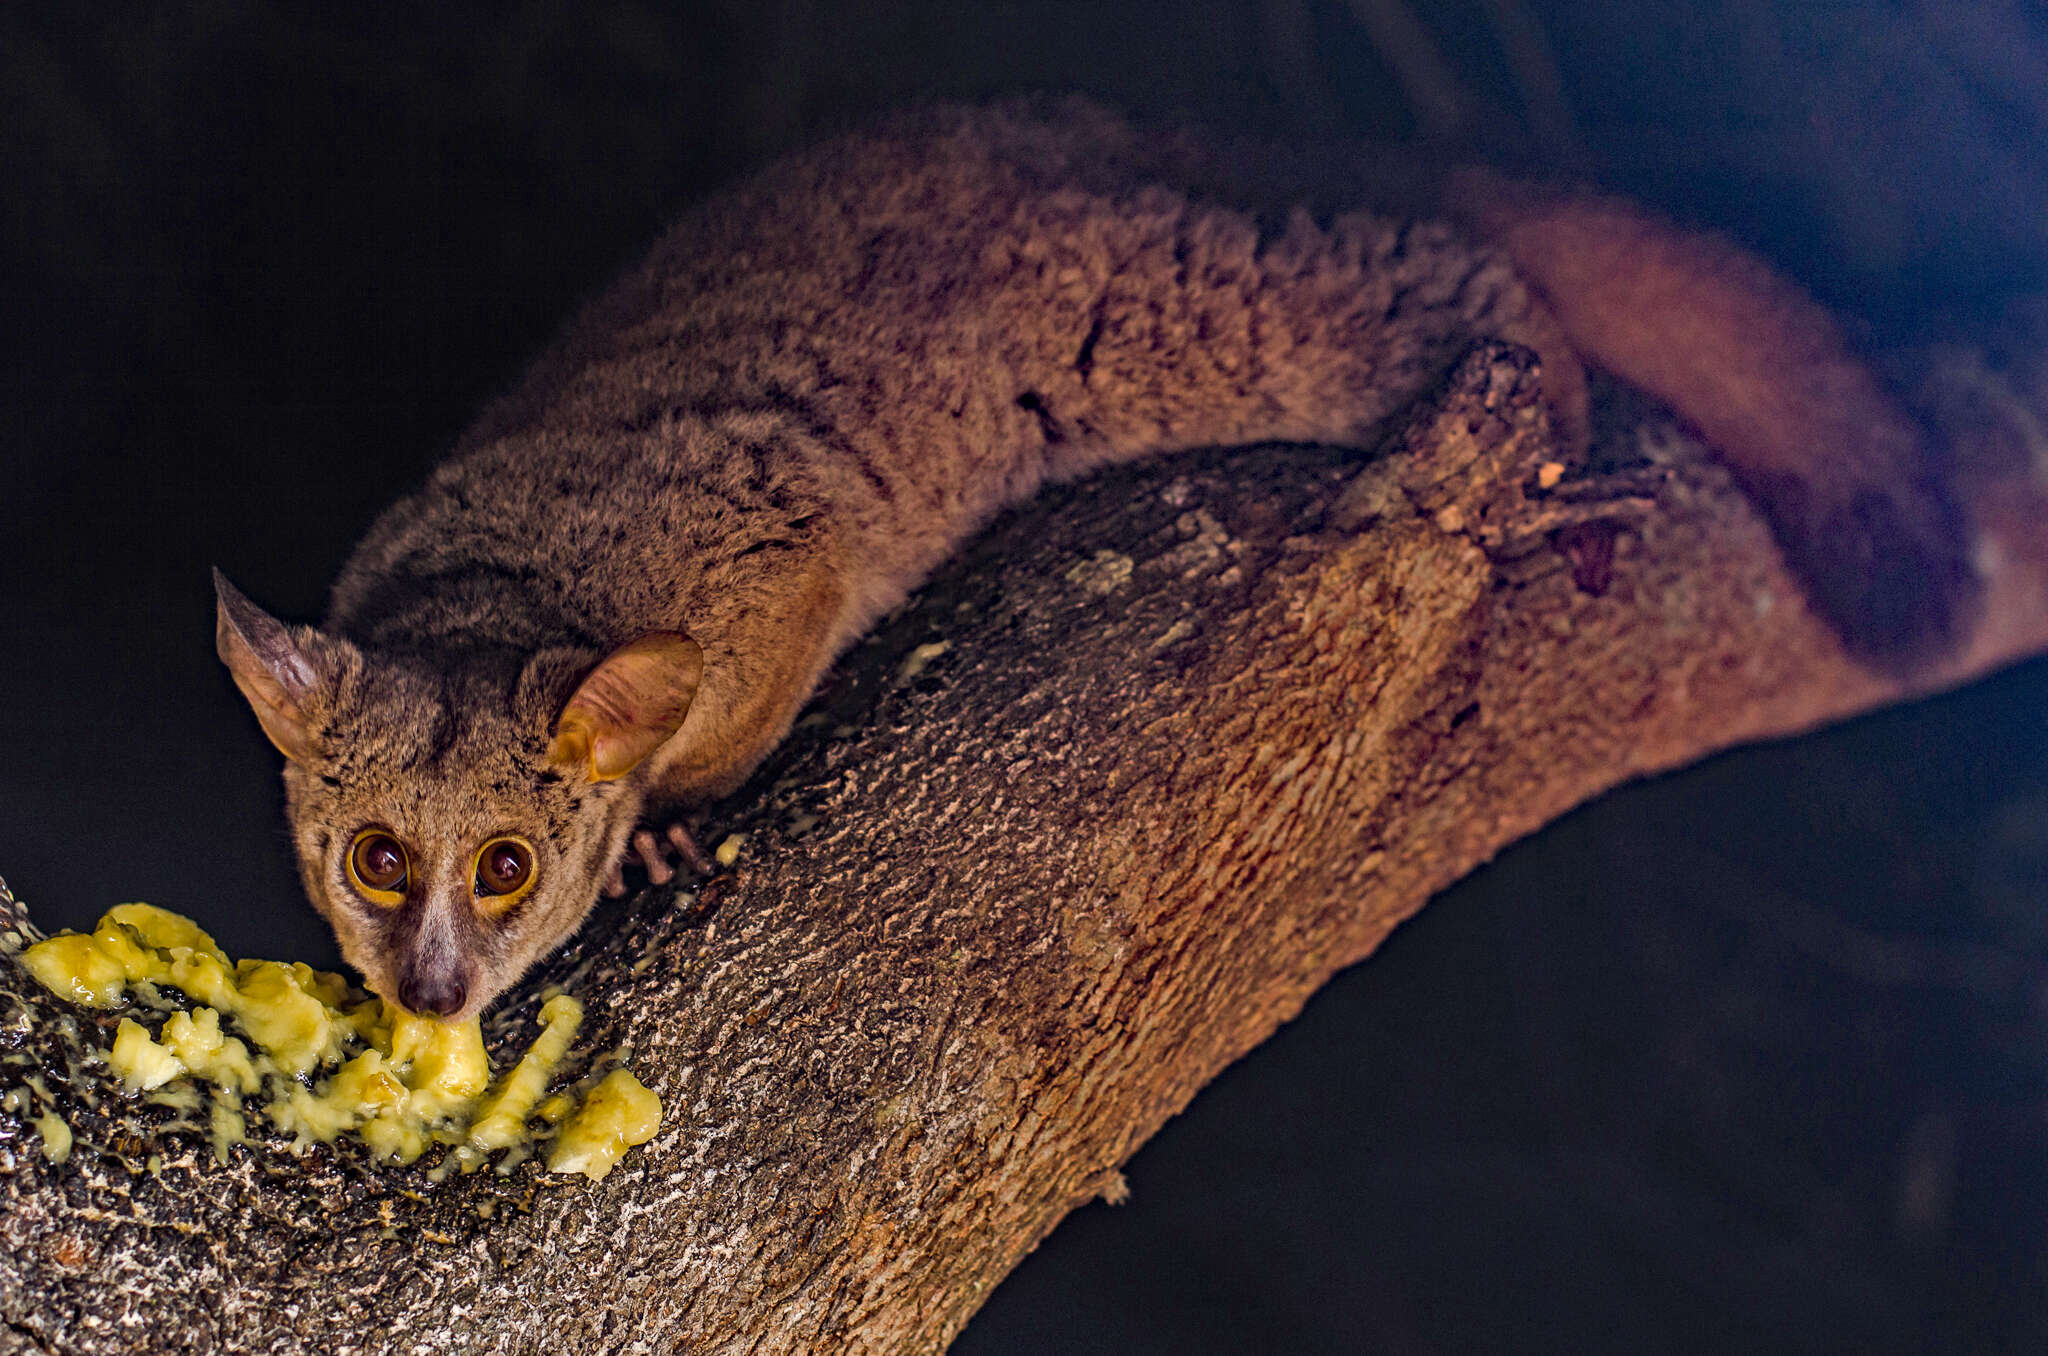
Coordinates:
(656, 857)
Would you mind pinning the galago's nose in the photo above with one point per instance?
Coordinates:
(432, 995)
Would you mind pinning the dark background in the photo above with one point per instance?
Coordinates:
(1754, 1057)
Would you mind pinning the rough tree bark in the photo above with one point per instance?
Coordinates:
(1200, 736)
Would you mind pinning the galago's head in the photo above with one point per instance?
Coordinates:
(455, 813)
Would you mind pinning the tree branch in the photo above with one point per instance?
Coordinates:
(1200, 736)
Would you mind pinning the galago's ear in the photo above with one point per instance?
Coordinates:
(628, 706)
(282, 683)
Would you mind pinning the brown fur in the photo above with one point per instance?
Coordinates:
(820, 382)
(1766, 375)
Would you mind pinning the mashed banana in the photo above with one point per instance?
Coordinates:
(320, 1060)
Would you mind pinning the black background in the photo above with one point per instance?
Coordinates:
(1749, 1058)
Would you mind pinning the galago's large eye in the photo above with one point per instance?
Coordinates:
(504, 872)
(377, 867)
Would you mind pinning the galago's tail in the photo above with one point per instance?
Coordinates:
(1841, 470)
